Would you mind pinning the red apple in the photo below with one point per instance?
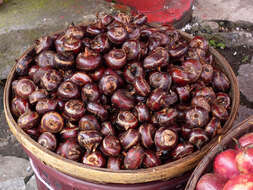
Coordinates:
(246, 140)
(224, 164)
(244, 160)
(210, 181)
(240, 182)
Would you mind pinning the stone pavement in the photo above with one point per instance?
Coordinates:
(21, 22)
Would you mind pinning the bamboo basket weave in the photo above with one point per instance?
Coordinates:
(102, 175)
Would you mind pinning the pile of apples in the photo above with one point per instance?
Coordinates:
(232, 168)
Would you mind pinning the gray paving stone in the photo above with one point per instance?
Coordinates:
(13, 184)
(14, 167)
(243, 113)
(31, 184)
(245, 78)
(233, 10)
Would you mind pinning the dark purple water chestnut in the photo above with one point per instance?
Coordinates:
(34, 133)
(59, 43)
(186, 131)
(141, 111)
(206, 92)
(220, 81)
(198, 137)
(155, 99)
(170, 98)
(43, 43)
(147, 132)
(110, 146)
(80, 78)
(72, 44)
(88, 60)
(45, 105)
(184, 93)
(51, 80)
(64, 61)
(132, 71)
(153, 43)
(19, 106)
(48, 141)
(97, 74)
(24, 63)
(60, 104)
(165, 117)
(151, 159)
(116, 58)
(126, 120)
(108, 84)
(75, 31)
(70, 149)
(74, 109)
(160, 80)
(37, 73)
(141, 86)
(69, 132)
(98, 110)
(37, 95)
(134, 158)
(207, 73)
(88, 122)
(90, 92)
(162, 37)
(140, 19)
(213, 127)
(89, 139)
(52, 122)
(114, 163)
(123, 99)
(178, 50)
(157, 58)
(32, 70)
(134, 31)
(106, 19)
(86, 42)
(199, 42)
(165, 139)
(202, 102)
(132, 49)
(100, 43)
(220, 112)
(194, 68)
(117, 34)
(95, 159)
(179, 76)
(94, 28)
(182, 150)
(24, 88)
(107, 128)
(222, 99)
(46, 58)
(117, 74)
(67, 90)
(28, 120)
(129, 138)
(197, 117)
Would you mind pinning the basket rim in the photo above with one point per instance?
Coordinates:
(103, 175)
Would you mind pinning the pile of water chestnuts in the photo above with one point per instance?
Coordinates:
(120, 94)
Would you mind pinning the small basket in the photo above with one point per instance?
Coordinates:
(206, 163)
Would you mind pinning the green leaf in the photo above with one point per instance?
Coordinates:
(221, 45)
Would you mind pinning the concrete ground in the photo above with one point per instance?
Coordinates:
(21, 22)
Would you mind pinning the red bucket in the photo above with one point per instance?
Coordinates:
(48, 178)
